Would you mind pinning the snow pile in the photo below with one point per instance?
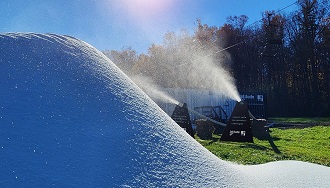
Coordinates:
(70, 117)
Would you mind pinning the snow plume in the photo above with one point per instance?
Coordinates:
(152, 90)
(181, 62)
(195, 65)
(203, 71)
(188, 63)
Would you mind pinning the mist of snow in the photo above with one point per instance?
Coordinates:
(191, 64)
(152, 89)
(205, 72)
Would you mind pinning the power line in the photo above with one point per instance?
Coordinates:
(253, 24)
(275, 13)
(236, 44)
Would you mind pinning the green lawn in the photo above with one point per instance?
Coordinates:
(309, 144)
(315, 120)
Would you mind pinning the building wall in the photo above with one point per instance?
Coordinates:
(196, 98)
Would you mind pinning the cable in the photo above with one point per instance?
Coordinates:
(236, 44)
(253, 24)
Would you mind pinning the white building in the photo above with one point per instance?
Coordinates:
(208, 99)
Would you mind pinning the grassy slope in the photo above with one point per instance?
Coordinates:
(309, 144)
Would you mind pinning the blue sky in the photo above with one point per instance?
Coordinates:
(117, 24)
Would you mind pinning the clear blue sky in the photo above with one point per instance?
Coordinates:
(117, 24)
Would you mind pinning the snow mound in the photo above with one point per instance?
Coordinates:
(70, 118)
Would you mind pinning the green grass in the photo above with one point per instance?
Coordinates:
(309, 144)
(315, 120)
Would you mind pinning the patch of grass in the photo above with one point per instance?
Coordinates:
(315, 120)
(310, 144)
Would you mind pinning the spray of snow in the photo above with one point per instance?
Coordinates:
(204, 67)
(206, 73)
(189, 64)
(152, 90)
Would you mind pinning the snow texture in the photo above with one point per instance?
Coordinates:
(70, 118)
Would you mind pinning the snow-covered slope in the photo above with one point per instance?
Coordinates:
(70, 117)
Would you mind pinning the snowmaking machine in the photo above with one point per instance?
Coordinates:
(242, 126)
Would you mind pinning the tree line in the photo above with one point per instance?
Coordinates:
(285, 56)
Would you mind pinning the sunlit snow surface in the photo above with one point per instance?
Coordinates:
(70, 118)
